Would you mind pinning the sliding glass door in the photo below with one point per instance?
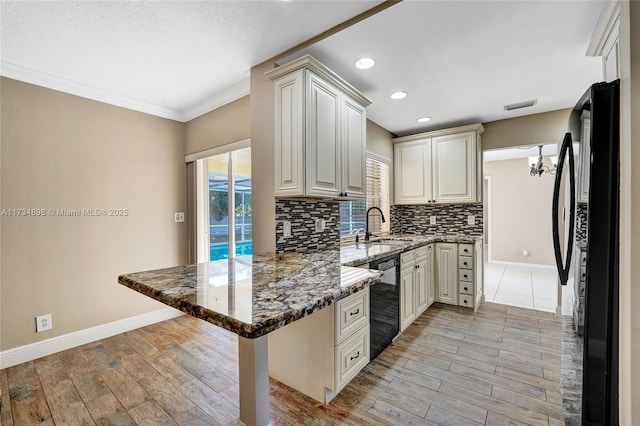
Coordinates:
(225, 205)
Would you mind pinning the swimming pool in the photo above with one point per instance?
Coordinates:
(221, 251)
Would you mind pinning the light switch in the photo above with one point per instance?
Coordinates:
(432, 220)
(471, 220)
(286, 225)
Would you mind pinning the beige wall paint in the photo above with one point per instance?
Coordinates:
(629, 387)
(520, 212)
(379, 141)
(263, 160)
(229, 123)
(536, 129)
(63, 151)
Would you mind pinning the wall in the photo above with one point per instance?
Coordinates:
(450, 219)
(520, 212)
(61, 151)
(229, 123)
(536, 129)
(629, 213)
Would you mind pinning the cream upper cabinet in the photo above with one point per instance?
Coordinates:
(447, 273)
(443, 166)
(454, 167)
(412, 174)
(585, 158)
(320, 132)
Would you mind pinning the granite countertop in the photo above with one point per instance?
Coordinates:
(363, 253)
(253, 295)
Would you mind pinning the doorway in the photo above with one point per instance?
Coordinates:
(519, 265)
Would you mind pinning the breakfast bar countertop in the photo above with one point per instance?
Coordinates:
(253, 295)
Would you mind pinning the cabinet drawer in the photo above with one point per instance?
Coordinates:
(351, 356)
(465, 249)
(466, 287)
(421, 252)
(465, 262)
(466, 300)
(465, 275)
(407, 258)
(351, 314)
(583, 258)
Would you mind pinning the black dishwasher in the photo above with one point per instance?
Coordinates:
(384, 304)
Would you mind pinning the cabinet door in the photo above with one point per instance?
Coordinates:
(610, 53)
(585, 160)
(354, 149)
(323, 138)
(407, 303)
(430, 276)
(447, 273)
(454, 167)
(289, 134)
(412, 172)
(421, 284)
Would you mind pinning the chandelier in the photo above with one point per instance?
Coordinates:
(538, 167)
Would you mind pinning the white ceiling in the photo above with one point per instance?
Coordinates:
(460, 61)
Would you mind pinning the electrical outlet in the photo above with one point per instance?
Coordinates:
(471, 220)
(320, 224)
(179, 217)
(286, 225)
(43, 323)
(432, 220)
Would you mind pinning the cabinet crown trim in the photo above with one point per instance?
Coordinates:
(609, 18)
(311, 63)
(471, 127)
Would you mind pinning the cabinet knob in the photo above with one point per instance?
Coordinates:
(345, 194)
(464, 300)
(465, 289)
(355, 357)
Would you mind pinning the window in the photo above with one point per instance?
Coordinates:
(224, 205)
(352, 213)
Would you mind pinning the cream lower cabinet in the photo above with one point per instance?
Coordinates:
(438, 167)
(320, 133)
(446, 269)
(319, 354)
(416, 284)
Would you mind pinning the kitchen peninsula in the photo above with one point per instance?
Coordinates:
(252, 296)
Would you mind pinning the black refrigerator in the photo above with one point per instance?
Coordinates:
(600, 362)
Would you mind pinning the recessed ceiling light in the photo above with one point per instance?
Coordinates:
(398, 95)
(423, 119)
(365, 63)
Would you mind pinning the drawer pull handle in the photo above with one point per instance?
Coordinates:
(355, 357)
(465, 301)
(465, 263)
(354, 313)
(465, 289)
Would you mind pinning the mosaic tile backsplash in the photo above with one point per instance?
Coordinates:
(303, 215)
(450, 219)
(581, 222)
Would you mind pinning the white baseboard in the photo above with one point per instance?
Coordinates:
(526, 265)
(32, 351)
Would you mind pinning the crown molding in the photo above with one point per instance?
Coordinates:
(609, 19)
(27, 75)
(221, 98)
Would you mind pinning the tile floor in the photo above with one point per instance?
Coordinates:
(525, 287)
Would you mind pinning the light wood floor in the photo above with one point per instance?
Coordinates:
(501, 366)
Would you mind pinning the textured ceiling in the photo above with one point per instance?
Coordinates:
(460, 61)
(170, 58)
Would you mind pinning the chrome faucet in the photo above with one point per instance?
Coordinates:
(368, 234)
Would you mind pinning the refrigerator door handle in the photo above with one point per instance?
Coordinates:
(563, 267)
